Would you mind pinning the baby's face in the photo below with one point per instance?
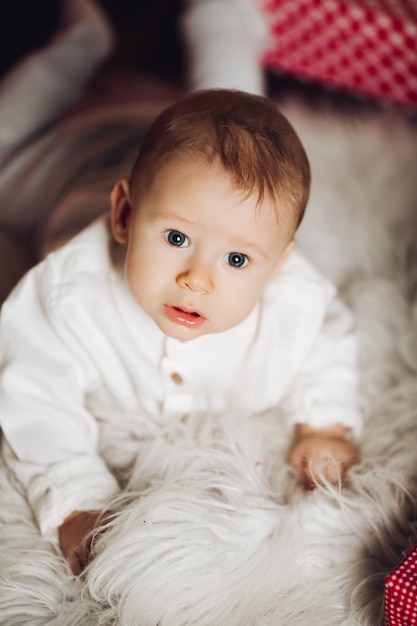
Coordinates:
(199, 252)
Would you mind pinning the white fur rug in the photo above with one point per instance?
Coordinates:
(214, 529)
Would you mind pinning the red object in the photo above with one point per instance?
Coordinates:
(365, 46)
(401, 593)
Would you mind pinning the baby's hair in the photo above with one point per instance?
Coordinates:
(244, 133)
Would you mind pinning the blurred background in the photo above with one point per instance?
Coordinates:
(146, 32)
(148, 66)
(148, 42)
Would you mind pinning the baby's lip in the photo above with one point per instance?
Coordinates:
(184, 316)
(190, 310)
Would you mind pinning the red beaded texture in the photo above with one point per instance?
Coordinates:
(400, 602)
(365, 46)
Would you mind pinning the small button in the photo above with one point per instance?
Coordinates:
(177, 378)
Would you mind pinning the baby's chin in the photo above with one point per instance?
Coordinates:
(182, 333)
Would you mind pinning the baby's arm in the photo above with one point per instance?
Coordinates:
(322, 454)
(50, 438)
(323, 402)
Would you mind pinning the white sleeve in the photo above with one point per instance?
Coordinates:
(223, 41)
(326, 391)
(51, 440)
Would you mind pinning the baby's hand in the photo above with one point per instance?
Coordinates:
(76, 537)
(323, 454)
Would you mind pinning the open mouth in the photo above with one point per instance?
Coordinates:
(183, 317)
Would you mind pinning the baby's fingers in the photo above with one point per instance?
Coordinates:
(320, 460)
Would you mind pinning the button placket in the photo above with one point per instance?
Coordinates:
(175, 371)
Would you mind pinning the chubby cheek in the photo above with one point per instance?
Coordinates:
(238, 304)
(143, 277)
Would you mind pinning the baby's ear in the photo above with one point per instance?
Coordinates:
(284, 256)
(121, 209)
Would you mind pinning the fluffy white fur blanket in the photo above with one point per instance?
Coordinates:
(214, 529)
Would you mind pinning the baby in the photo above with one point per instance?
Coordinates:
(191, 298)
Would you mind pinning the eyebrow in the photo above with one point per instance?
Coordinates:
(240, 243)
(173, 216)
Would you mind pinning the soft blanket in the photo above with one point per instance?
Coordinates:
(213, 528)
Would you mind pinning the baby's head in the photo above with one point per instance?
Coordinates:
(243, 134)
(210, 210)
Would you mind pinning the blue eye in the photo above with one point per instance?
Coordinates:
(176, 238)
(236, 259)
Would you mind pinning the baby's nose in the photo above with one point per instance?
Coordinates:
(197, 278)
